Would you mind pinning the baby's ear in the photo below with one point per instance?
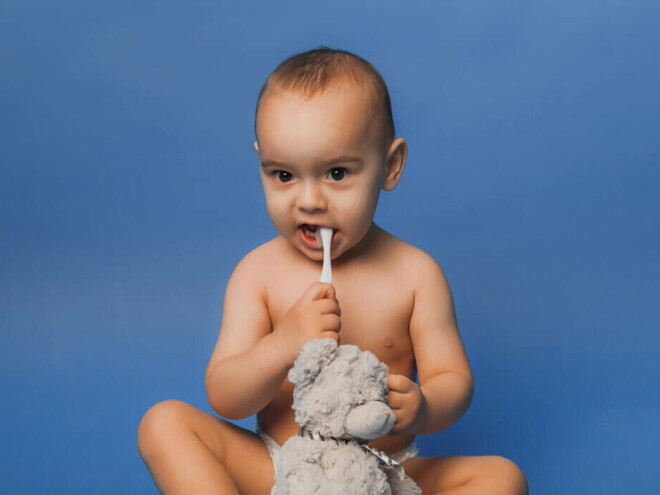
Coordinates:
(313, 357)
(394, 164)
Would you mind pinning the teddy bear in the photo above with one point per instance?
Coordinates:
(339, 399)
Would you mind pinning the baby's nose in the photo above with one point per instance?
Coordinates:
(311, 199)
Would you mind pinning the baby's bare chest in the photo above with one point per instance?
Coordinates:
(375, 316)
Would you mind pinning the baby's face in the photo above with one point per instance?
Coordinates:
(322, 163)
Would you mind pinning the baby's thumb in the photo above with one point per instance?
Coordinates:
(321, 290)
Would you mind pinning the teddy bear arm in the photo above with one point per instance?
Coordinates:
(370, 420)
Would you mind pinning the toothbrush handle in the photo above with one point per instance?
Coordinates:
(326, 272)
(326, 241)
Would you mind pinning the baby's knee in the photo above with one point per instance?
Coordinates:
(159, 423)
(505, 476)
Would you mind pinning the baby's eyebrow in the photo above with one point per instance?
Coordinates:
(270, 163)
(340, 159)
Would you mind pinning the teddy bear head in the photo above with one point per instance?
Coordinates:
(340, 391)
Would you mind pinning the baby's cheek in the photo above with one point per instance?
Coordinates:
(278, 215)
(362, 214)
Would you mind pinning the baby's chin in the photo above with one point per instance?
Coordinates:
(317, 254)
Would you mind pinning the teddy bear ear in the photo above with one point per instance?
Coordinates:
(315, 354)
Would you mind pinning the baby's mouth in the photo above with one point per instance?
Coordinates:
(308, 235)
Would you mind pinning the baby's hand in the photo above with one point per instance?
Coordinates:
(407, 401)
(315, 315)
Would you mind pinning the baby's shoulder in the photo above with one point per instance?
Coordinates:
(410, 255)
(258, 262)
(418, 265)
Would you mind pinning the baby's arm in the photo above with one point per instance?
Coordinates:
(250, 359)
(445, 377)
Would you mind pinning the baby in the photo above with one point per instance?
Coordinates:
(326, 147)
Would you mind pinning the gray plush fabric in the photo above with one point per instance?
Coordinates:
(339, 392)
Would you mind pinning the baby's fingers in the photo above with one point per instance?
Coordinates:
(395, 400)
(398, 383)
(321, 290)
(328, 307)
(330, 323)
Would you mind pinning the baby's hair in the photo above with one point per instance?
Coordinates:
(313, 71)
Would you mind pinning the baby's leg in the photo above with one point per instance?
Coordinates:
(459, 475)
(190, 451)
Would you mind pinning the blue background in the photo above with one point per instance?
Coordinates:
(129, 190)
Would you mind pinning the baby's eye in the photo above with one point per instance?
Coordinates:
(283, 175)
(337, 173)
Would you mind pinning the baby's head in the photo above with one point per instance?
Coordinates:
(325, 141)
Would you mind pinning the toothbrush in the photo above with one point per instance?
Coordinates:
(325, 239)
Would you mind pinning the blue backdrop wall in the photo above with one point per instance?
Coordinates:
(129, 190)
